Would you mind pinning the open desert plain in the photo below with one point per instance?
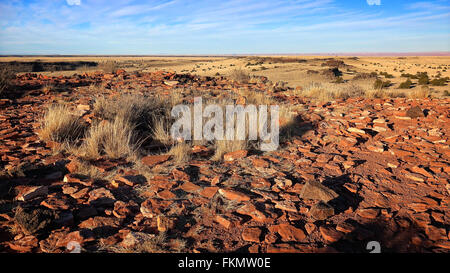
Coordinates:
(87, 157)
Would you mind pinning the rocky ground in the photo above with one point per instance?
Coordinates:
(361, 170)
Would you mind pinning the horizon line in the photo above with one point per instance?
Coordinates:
(338, 54)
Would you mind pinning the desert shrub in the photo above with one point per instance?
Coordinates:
(109, 66)
(406, 84)
(60, 125)
(379, 84)
(239, 75)
(6, 78)
(333, 63)
(332, 72)
(423, 79)
(364, 76)
(409, 75)
(439, 81)
(339, 80)
(387, 75)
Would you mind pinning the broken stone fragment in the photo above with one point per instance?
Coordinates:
(101, 197)
(153, 160)
(316, 191)
(415, 112)
(321, 211)
(28, 193)
(235, 155)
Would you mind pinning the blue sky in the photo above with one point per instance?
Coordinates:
(222, 27)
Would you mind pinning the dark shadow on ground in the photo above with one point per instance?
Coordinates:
(393, 238)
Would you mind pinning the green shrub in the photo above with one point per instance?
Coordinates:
(386, 75)
(439, 81)
(406, 85)
(423, 78)
(408, 75)
(379, 84)
(339, 80)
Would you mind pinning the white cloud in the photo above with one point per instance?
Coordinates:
(374, 2)
(73, 2)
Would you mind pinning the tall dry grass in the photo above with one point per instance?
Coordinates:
(60, 125)
(112, 138)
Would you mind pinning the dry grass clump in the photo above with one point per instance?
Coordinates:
(226, 146)
(161, 130)
(419, 93)
(125, 124)
(109, 66)
(329, 91)
(60, 125)
(112, 138)
(239, 75)
(181, 152)
(137, 110)
(6, 77)
(258, 98)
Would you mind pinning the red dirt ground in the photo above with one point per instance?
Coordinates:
(384, 176)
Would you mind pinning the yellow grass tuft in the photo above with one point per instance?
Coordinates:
(112, 138)
(60, 125)
(181, 152)
(419, 93)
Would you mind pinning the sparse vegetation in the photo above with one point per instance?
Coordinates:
(109, 66)
(387, 75)
(328, 92)
(60, 125)
(419, 93)
(406, 84)
(379, 84)
(423, 78)
(6, 77)
(181, 152)
(239, 75)
(439, 81)
(112, 138)
(364, 76)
